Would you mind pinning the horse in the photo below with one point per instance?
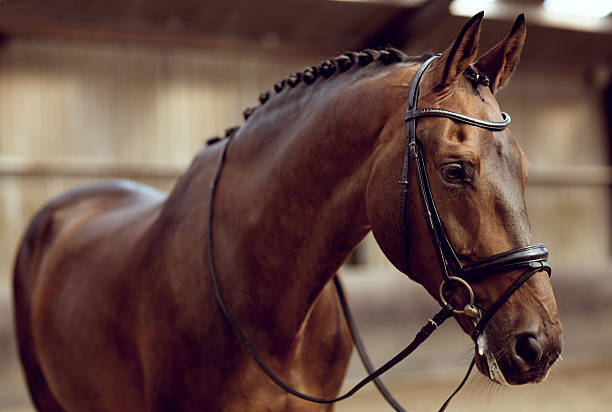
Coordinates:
(114, 304)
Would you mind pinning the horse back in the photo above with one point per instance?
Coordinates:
(72, 294)
(85, 217)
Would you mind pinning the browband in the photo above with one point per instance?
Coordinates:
(463, 118)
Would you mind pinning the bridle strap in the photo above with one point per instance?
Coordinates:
(515, 259)
(360, 347)
(414, 151)
(442, 245)
(460, 117)
(413, 97)
(533, 268)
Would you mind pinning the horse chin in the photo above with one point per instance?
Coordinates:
(486, 362)
(489, 365)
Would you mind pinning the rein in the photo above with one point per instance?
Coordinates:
(532, 258)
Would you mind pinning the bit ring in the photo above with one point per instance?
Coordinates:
(469, 309)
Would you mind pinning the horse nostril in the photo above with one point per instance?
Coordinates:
(529, 349)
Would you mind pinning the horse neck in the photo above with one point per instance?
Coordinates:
(290, 204)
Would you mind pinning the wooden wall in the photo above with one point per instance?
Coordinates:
(71, 112)
(559, 120)
(75, 111)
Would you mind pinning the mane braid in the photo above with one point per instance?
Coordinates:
(327, 68)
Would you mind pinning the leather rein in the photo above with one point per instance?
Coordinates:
(531, 258)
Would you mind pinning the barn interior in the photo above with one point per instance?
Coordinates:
(133, 89)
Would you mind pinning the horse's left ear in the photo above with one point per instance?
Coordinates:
(453, 62)
(499, 62)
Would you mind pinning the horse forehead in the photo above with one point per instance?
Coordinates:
(464, 96)
(448, 137)
(476, 102)
(498, 153)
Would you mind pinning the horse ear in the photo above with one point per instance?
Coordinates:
(499, 62)
(460, 55)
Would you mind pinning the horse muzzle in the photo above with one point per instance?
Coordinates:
(525, 357)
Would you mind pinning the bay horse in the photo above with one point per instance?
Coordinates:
(114, 306)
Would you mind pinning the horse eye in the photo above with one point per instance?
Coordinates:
(454, 173)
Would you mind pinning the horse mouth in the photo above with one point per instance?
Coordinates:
(486, 362)
(501, 370)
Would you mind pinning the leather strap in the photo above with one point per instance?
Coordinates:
(505, 262)
(533, 268)
(413, 97)
(449, 262)
(459, 117)
(360, 347)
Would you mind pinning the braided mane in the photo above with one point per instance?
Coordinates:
(324, 70)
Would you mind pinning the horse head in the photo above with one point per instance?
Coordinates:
(477, 178)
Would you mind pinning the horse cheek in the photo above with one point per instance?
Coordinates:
(384, 215)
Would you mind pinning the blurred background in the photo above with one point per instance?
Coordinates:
(132, 89)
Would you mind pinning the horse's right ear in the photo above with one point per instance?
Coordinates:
(461, 53)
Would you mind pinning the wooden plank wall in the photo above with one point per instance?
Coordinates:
(73, 104)
(150, 108)
(560, 124)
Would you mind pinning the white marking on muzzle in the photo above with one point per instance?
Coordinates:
(495, 372)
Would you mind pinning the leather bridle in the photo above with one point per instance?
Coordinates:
(531, 258)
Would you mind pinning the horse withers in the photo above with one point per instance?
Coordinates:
(114, 303)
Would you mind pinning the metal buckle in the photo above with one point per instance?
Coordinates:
(469, 309)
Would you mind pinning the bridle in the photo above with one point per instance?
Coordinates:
(531, 258)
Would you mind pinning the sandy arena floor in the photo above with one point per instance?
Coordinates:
(584, 388)
(587, 388)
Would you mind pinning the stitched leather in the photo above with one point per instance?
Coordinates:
(463, 118)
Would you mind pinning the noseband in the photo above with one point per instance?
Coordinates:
(531, 258)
